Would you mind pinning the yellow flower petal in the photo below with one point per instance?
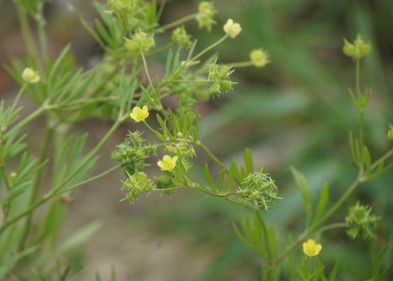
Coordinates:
(139, 114)
(167, 163)
(232, 28)
(311, 248)
(31, 76)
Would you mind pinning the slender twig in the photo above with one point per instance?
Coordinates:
(222, 39)
(241, 64)
(36, 185)
(177, 22)
(211, 155)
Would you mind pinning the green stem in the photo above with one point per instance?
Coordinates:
(147, 70)
(36, 185)
(27, 120)
(80, 103)
(241, 64)
(158, 135)
(333, 226)
(177, 22)
(160, 49)
(221, 195)
(360, 106)
(192, 81)
(222, 39)
(93, 152)
(41, 32)
(26, 31)
(361, 178)
(358, 78)
(51, 195)
(211, 155)
(18, 96)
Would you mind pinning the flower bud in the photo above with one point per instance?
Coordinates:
(259, 58)
(232, 28)
(30, 76)
(205, 16)
(358, 49)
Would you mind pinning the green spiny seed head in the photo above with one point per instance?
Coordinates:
(182, 147)
(205, 16)
(390, 133)
(140, 42)
(181, 37)
(122, 6)
(135, 185)
(132, 154)
(258, 189)
(361, 222)
(219, 76)
(358, 49)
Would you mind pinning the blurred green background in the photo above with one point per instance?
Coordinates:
(294, 112)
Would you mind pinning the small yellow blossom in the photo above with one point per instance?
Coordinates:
(311, 248)
(139, 114)
(167, 163)
(358, 49)
(259, 58)
(30, 76)
(390, 133)
(232, 28)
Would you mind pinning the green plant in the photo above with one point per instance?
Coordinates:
(122, 88)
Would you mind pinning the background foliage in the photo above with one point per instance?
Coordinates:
(296, 113)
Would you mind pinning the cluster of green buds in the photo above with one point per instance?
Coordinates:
(131, 14)
(205, 16)
(358, 49)
(259, 189)
(181, 37)
(140, 42)
(361, 222)
(122, 7)
(135, 185)
(219, 76)
(133, 153)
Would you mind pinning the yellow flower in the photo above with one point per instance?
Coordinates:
(139, 114)
(232, 28)
(259, 58)
(390, 133)
(311, 248)
(167, 163)
(358, 49)
(30, 76)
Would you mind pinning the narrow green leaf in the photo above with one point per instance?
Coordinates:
(322, 202)
(209, 178)
(248, 162)
(304, 189)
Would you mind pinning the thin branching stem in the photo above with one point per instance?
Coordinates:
(52, 195)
